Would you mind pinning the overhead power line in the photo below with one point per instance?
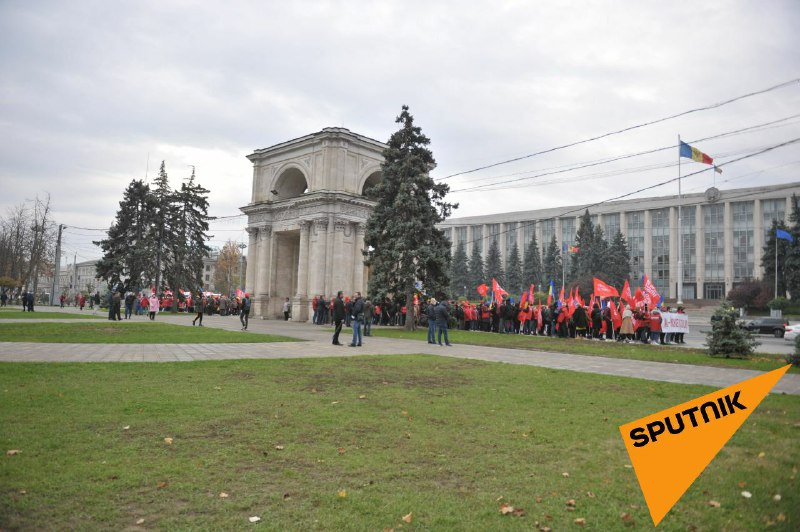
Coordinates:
(630, 128)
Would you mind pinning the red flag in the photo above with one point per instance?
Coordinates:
(591, 299)
(616, 317)
(530, 295)
(626, 294)
(638, 297)
(578, 297)
(482, 290)
(651, 295)
(498, 290)
(539, 316)
(523, 298)
(561, 294)
(603, 290)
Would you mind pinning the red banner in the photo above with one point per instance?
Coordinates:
(626, 294)
(603, 290)
(483, 290)
(498, 290)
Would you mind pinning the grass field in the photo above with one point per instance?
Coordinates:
(128, 332)
(16, 314)
(655, 353)
(358, 443)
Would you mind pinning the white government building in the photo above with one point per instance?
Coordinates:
(310, 202)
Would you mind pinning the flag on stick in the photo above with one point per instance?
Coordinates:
(780, 233)
(694, 154)
(603, 290)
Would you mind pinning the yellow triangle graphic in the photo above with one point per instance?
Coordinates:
(670, 449)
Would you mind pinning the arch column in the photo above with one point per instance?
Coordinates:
(318, 256)
(252, 263)
(302, 263)
(263, 268)
(359, 284)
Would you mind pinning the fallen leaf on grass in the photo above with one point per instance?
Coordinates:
(286, 496)
(362, 396)
(777, 497)
(223, 495)
(519, 512)
(161, 485)
(580, 521)
(714, 504)
(746, 494)
(500, 498)
(140, 521)
(590, 494)
(571, 503)
(13, 452)
(126, 427)
(626, 517)
(781, 518)
(407, 435)
(741, 484)
(341, 450)
(342, 493)
(168, 441)
(408, 518)
(254, 519)
(334, 402)
(565, 474)
(506, 508)
(279, 447)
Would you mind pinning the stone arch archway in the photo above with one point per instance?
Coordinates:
(290, 183)
(372, 179)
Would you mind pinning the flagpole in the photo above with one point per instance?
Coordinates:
(776, 262)
(680, 229)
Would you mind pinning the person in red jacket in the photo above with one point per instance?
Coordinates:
(655, 326)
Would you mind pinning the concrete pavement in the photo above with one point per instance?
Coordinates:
(316, 342)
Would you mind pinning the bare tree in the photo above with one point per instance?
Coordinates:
(27, 237)
(228, 268)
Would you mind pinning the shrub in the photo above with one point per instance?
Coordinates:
(726, 338)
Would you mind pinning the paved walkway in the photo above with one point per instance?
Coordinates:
(317, 343)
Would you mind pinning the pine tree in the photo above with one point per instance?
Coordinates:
(582, 263)
(768, 258)
(129, 247)
(188, 240)
(494, 265)
(406, 244)
(477, 275)
(552, 264)
(792, 271)
(618, 262)
(459, 272)
(726, 338)
(514, 272)
(164, 228)
(532, 264)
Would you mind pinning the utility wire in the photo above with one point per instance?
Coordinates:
(630, 128)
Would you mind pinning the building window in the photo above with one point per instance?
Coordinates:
(208, 277)
(461, 236)
(772, 209)
(208, 267)
(494, 232)
(611, 225)
(688, 244)
(548, 230)
(660, 256)
(528, 230)
(448, 234)
(477, 238)
(743, 252)
(714, 235)
(511, 236)
(568, 230)
(636, 245)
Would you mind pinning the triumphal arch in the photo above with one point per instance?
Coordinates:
(306, 219)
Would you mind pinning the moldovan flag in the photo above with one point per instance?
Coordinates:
(550, 293)
(602, 290)
(694, 154)
(626, 294)
(498, 290)
(483, 290)
(669, 449)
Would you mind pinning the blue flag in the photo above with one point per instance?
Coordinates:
(780, 233)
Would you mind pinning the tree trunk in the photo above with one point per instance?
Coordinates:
(411, 322)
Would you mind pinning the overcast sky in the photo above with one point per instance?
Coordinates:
(90, 91)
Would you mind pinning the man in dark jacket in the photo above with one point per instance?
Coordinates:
(338, 316)
(442, 315)
(369, 315)
(430, 314)
(357, 318)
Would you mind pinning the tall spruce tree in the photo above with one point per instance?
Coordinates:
(494, 265)
(552, 265)
(792, 273)
(514, 277)
(406, 244)
(129, 247)
(459, 272)
(768, 258)
(188, 241)
(165, 223)
(617, 262)
(582, 263)
(477, 275)
(532, 264)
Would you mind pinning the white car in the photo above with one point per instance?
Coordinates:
(791, 332)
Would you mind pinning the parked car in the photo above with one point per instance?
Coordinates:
(773, 326)
(791, 332)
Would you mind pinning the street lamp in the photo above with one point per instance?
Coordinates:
(242, 246)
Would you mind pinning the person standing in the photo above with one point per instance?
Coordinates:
(129, 299)
(244, 315)
(430, 312)
(626, 330)
(357, 318)
(338, 316)
(152, 305)
(369, 315)
(287, 309)
(117, 302)
(82, 301)
(442, 315)
(199, 303)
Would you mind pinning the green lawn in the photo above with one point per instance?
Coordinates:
(16, 314)
(634, 351)
(358, 443)
(128, 332)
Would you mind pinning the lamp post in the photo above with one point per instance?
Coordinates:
(242, 247)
